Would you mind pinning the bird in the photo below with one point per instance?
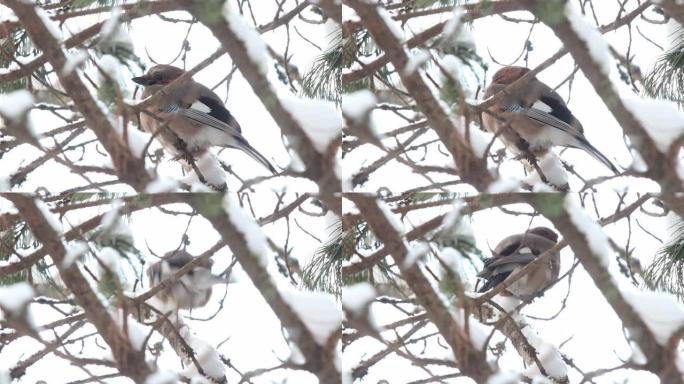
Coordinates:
(194, 113)
(193, 289)
(515, 252)
(534, 118)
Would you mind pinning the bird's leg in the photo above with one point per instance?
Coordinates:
(499, 156)
(184, 153)
(525, 152)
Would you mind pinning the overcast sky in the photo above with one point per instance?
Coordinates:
(588, 327)
(249, 331)
(505, 41)
(588, 330)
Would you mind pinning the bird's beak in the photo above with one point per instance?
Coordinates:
(142, 80)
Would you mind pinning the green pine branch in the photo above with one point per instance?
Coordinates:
(667, 270)
(666, 79)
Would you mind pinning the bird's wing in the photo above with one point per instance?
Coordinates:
(217, 110)
(514, 251)
(202, 113)
(586, 146)
(204, 118)
(549, 112)
(508, 245)
(540, 113)
(492, 281)
(556, 107)
(208, 110)
(497, 269)
(543, 105)
(578, 139)
(512, 261)
(527, 242)
(233, 131)
(200, 104)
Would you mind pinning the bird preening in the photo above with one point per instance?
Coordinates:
(193, 289)
(534, 118)
(514, 253)
(194, 113)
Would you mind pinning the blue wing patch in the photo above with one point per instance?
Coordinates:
(513, 108)
(171, 108)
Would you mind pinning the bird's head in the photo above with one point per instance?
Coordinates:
(159, 75)
(545, 232)
(507, 75)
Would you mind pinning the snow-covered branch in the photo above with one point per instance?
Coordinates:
(590, 245)
(130, 168)
(472, 166)
(313, 128)
(248, 243)
(130, 361)
(639, 119)
(459, 334)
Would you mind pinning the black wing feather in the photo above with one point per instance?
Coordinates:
(493, 282)
(558, 109)
(514, 246)
(217, 110)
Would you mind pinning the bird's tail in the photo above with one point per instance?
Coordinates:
(204, 279)
(586, 146)
(254, 154)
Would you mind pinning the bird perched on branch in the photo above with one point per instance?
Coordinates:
(194, 113)
(193, 289)
(514, 253)
(534, 118)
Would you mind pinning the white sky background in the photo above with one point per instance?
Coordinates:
(162, 40)
(592, 327)
(253, 331)
(505, 40)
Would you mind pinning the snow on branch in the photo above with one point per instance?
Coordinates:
(471, 167)
(131, 11)
(464, 345)
(588, 243)
(580, 41)
(307, 330)
(317, 150)
(15, 297)
(129, 360)
(471, 12)
(471, 204)
(129, 167)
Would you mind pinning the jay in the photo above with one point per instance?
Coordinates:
(193, 289)
(194, 113)
(534, 118)
(516, 251)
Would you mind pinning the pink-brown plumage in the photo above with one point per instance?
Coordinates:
(508, 75)
(194, 114)
(533, 118)
(514, 253)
